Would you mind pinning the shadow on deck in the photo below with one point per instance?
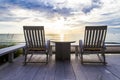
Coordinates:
(72, 70)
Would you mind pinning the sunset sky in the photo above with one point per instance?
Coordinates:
(58, 15)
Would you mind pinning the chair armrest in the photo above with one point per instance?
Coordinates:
(104, 46)
(49, 47)
(80, 46)
(48, 44)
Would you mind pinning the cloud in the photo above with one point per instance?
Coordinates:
(11, 19)
(75, 13)
(94, 4)
(112, 22)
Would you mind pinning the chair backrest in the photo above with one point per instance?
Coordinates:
(94, 36)
(34, 36)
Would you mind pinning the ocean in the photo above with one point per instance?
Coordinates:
(113, 36)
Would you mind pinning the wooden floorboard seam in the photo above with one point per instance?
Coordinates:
(79, 74)
(72, 70)
(113, 73)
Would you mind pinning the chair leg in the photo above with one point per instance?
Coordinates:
(104, 59)
(47, 58)
(81, 56)
(25, 59)
(50, 51)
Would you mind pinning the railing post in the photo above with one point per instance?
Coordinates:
(23, 50)
(10, 57)
(76, 50)
(50, 50)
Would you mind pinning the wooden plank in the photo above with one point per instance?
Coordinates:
(98, 72)
(6, 71)
(114, 65)
(11, 71)
(93, 38)
(41, 72)
(92, 72)
(62, 70)
(50, 74)
(68, 71)
(59, 72)
(6, 50)
(95, 44)
(78, 72)
(106, 74)
(27, 72)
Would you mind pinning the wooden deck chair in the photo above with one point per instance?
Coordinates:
(94, 40)
(35, 42)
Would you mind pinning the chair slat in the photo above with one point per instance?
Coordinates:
(94, 43)
(94, 36)
(35, 42)
(92, 39)
(39, 32)
(34, 36)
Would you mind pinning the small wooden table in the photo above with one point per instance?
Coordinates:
(62, 50)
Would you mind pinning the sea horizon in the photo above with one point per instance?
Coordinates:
(112, 37)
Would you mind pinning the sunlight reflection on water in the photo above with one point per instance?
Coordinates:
(112, 36)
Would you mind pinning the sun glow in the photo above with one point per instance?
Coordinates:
(59, 26)
(61, 37)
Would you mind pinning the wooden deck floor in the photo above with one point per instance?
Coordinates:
(72, 70)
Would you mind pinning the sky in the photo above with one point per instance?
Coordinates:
(58, 15)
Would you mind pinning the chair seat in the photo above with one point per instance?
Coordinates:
(35, 42)
(94, 43)
(36, 49)
(92, 49)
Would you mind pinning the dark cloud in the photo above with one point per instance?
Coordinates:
(49, 10)
(95, 4)
(106, 14)
(41, 6)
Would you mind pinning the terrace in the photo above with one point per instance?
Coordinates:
(62, 19)
(65, 70)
